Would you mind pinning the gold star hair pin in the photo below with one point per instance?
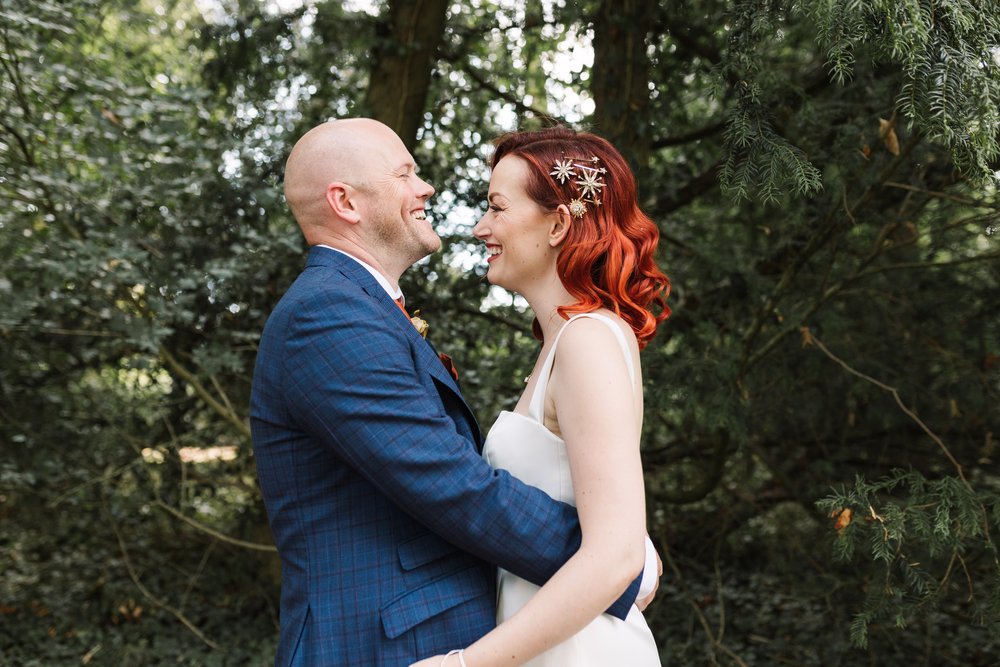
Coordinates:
(586, 177)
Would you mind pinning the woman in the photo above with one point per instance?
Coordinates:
(563, 229)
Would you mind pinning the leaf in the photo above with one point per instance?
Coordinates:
(112, 117)
(807, 337)
(844, 516)
(887, 133)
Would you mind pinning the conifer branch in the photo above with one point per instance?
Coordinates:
(773, 342)
(824, 231)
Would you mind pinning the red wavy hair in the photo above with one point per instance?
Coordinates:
(606, 260)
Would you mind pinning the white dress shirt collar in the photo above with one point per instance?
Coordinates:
(393, 292)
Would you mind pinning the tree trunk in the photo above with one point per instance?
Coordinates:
(408, 38)
(535, 80)
(620, 83)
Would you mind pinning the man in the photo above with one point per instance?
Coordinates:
(388, 522)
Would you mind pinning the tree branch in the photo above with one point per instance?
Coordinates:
(493, 317)
(773, 342)
(690, 191)
(941, 195)
(819, 238)
(810, 339)
(146, 593)
(222, 537)
(14, 74)
(689, 42)
(714, 643)
(688, 137)
(509, 97)
(197, 573)
(200, 389)
(22, 144)
(55, 331)
(928, 265)
(712, 473)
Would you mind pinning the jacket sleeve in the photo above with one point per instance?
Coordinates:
(354, 387)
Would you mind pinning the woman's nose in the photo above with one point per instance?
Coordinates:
(480, 230)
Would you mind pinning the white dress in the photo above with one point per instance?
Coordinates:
(524, 447)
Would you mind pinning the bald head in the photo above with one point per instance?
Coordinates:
(353, 185)
(338, 151)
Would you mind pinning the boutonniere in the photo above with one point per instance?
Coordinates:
(419, 323)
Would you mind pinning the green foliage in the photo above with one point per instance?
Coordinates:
(834, 305)
(919, 534)
(758, 159)
(947, 53)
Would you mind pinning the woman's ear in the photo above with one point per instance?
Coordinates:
(560, 227)
(341, 199)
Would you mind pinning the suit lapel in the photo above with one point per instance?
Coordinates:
(430, 360)
(357, 274)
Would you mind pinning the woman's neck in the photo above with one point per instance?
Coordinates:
(545, 302)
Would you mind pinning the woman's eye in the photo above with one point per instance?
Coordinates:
(495, 208)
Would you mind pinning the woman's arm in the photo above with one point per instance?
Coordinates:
(599, 421)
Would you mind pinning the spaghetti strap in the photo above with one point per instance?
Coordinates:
(536, 408)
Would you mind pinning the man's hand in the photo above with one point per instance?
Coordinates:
(644, 602)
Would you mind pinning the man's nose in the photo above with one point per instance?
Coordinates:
(427, 190)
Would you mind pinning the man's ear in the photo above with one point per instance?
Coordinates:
(560, 226)
(342, 201)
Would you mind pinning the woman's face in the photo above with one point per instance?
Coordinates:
(515, 230)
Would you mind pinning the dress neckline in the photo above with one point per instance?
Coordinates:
(536, 405)
(531, 420)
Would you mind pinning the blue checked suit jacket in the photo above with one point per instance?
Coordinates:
(387, 520)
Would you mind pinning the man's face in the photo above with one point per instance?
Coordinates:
(395, 198)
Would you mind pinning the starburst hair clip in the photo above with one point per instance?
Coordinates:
(586, 175)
